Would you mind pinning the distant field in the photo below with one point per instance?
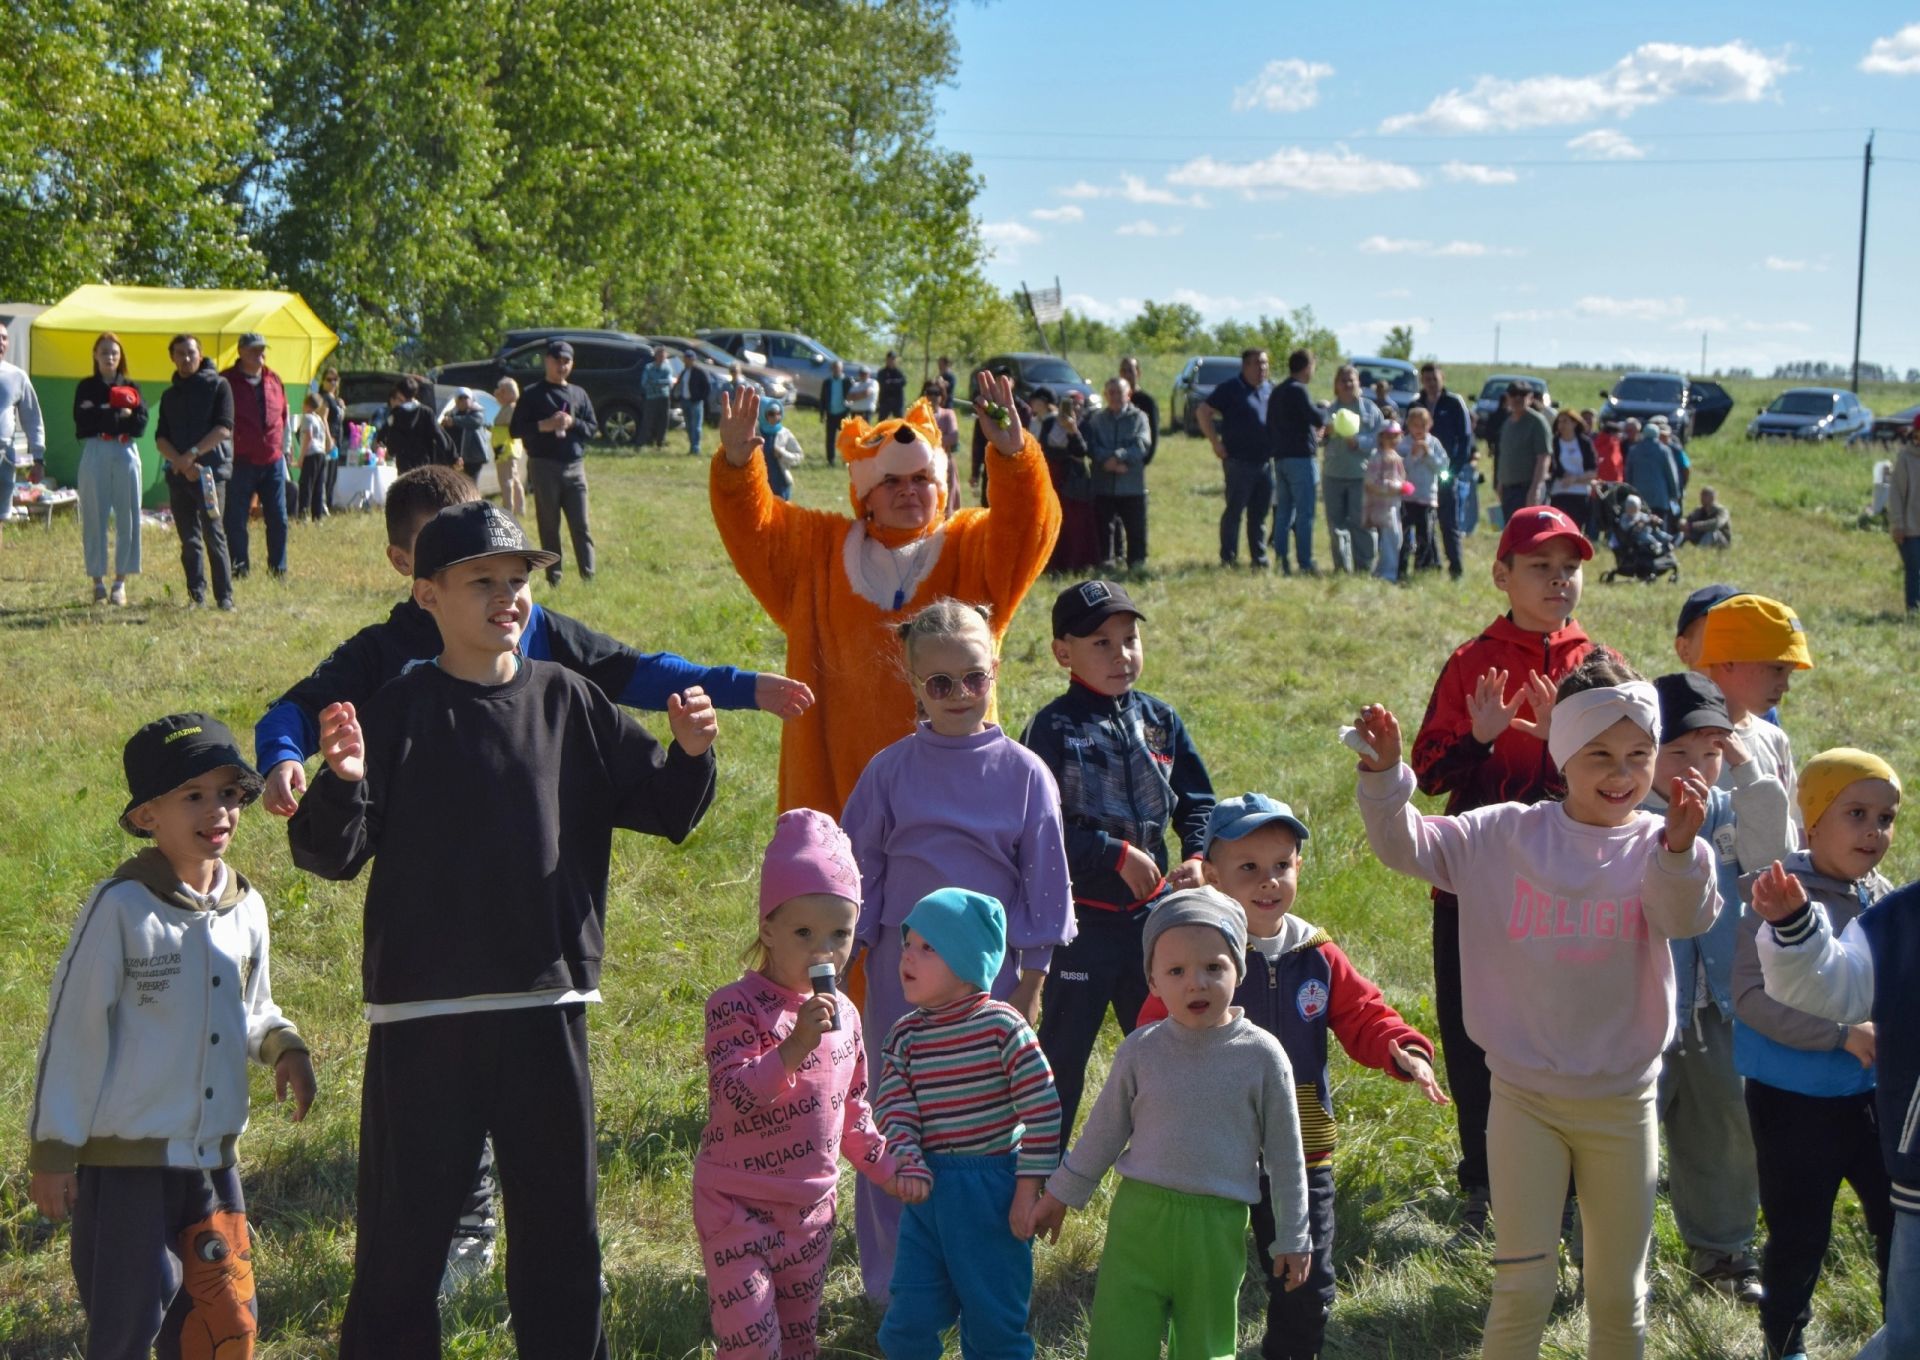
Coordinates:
(1263, 669)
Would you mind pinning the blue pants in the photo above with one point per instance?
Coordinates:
(1899, 1336)
(696, 413)
(1466, 496)
(1249, 493)
(110, 491)
(1295, 503)
(270, 481)
(958, 1260)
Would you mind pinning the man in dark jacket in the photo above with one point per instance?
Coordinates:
(1459, 491)
(833, 405)
(192, 436)
(554, 420)
(259, 455)
(410, 435)
(693, 390)
(893, 390)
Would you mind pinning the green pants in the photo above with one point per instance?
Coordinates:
(1171, 1259)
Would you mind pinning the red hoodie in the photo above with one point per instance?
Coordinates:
(1516, 767)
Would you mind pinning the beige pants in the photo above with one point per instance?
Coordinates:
(1611, 1144)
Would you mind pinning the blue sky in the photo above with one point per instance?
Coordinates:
(1605, 183)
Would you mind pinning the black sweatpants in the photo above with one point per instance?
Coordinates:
(131, 1227)
(1468, 1081)
(1101, 968)
(1804, 1146)
(1297, 1319)
(1122, 524)
(434, 1088)
(1418, 551)
(197, 523)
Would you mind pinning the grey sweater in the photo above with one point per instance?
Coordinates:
(1122, 434)
(1202, 1112)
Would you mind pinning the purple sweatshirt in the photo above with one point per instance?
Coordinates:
(1564, 967)
(979, 812)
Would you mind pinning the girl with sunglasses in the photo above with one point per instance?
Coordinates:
(955, 804)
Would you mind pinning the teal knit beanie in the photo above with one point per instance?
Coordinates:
(968, 930)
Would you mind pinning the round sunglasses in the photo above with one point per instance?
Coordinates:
(940, 686)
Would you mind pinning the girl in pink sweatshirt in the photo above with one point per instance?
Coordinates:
(1565, 913)
(787, 1095)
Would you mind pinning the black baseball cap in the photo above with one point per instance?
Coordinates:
(1043, 394)
(559, 349)
(1703, 599)
(1080, 609)
(1689, 701)
(169, 751)
(461, 533)
(1519, 389)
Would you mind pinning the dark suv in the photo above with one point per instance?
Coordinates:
(1029, 371)
(1691, 406)
(608, 368)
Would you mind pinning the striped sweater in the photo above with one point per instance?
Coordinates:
(967, 1078)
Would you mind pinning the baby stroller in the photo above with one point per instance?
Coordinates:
(1643, 550)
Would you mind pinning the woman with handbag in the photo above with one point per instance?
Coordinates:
(108, 416)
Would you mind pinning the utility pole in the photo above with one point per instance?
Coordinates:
(1860, 285)
(1703, 354)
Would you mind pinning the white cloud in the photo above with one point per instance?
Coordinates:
(1631, 309)
(1359, 337)
(1465, 172)
(1651, 74)
(1219, 306)
(1607, 144)
(1006, 238)
(1293, 168)
(1399, 245)
(1132, 189)
(1532, 314)
(1775, 263)
(1066, 212)
(1143, 227)
(1285, 86)
(1895, 56)
(1099, 309)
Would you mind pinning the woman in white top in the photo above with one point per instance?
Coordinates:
(1574, 461)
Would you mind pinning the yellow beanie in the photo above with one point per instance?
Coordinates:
(1827, 775)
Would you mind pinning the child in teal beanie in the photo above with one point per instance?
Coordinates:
(967, 1105)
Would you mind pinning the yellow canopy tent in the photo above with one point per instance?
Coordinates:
(145, 319)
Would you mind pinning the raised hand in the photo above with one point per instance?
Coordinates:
(1686, 810)
(1419, 1071)
(1492, 712)
(285, 782)
(740, 424)
(342, 743)
(692, 719)
(1382, 732)
(781, 696)
(1732, 749)
(997, 414)
(1537, 694)
(1777, 894)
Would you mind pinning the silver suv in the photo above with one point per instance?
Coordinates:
(806, 360)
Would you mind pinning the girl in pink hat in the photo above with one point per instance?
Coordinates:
(787, 1096)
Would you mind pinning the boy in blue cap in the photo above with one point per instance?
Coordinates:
(967, 1106)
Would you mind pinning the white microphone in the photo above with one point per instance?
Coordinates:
(823, 985)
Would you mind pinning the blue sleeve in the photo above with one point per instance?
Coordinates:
(287, 732)
(656, 675)
(636, 679)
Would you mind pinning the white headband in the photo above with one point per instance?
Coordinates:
(1579, 718)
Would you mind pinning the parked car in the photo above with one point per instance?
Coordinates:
(808, 362)
(1401, 377)
(1897, 428)
(1812, 413)
(608, 368)
(524, 335)
(1029, 371)
(1642, 396)
(772, 382)
(365, 391)
(1195, 384)
(1495, 392)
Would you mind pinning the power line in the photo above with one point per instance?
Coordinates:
(1478, 138)
(1075, 158)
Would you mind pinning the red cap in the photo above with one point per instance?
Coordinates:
(1530, 530)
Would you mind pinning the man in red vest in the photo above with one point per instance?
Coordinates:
(259, 455)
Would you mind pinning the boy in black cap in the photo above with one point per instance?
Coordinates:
(1125, 767)
(484, 933)
(158, 1002)
(1711, 1174)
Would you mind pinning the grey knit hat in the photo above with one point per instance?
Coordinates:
(1198, 907)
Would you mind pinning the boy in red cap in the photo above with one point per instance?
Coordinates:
(1481, 742)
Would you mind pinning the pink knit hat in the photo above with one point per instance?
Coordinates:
(809, 853)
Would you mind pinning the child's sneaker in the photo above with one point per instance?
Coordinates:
(118, 595)
(1474, 1211)
(469, 1260)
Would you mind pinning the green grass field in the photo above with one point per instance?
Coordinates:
(1263, 669)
